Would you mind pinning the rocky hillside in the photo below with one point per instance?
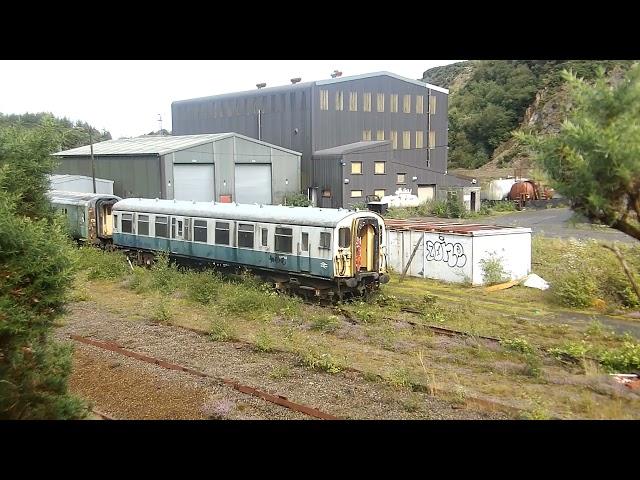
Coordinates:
(489, 99)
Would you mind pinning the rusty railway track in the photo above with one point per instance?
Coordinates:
(246, 389)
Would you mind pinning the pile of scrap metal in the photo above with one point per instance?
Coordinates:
(524, 191)
(629, 380)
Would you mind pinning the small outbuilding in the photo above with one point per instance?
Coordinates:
(469, 195)
(224, 167)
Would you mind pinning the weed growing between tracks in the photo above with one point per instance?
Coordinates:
(374, 335)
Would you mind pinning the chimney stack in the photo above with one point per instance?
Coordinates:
(295, 80)
(261, 85)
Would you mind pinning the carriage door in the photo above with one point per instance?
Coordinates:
(304, 252)
(177, 231)
(366, 245)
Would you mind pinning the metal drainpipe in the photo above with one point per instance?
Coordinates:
(429, 127)
(259, 124)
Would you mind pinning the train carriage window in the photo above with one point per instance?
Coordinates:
(143, 225)
(222, 233)
(344, 239)
(115, 222)
(127, 223)
(284, 240)
(245, 235)
(161, 225)
(265, 240)
(200, 231)
(325, 240)
(305, 242)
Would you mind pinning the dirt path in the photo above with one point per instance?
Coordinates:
(126, 388)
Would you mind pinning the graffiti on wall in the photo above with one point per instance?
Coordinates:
(450, 253)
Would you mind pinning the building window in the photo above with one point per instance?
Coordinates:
(356, 193)
(304, 244)
(406, 140)
(324, 99)
(162, 229)
(380, 135)
(127, 223)
(222, 233)
(432, 139)
(366, 135)
(394, 139)
(143, 225)
(344, 237)
(325, 240)
(406, 107)
(379, 168)
(379, 193)
(245, 235)
(339, 101)
(393, 103)
(366, 102)
(265, 240)
(284, 240)
(432, 104)
(356, 168)
(353, 101)
(419, 104)
(380, 102)
(419, 139)
(200, 231)
(326, 193)
(401, 178)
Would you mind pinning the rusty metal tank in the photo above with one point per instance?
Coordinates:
(526, 188)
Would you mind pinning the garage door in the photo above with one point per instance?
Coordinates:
(426, 193)
(253, 184)
(193, 182)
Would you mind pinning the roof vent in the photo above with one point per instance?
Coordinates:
(295, 80)
(261, 85)
(336, 73)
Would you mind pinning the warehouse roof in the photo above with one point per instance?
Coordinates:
(323, 217)
(157, 145)
(350, 147)
(287, 88)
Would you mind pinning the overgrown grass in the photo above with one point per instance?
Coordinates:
(100, 264)
(584, 274)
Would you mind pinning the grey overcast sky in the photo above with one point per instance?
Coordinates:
(126, 96)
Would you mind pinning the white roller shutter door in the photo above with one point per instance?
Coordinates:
(193, 182)
(426, 193)
(253, 183)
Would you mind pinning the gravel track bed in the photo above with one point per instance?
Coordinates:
(346, 395)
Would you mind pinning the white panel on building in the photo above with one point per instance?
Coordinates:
(253, 183)
(80, 183)
(426, 193)
(193, 182)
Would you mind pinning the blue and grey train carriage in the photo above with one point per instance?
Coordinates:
(317, 250)
(88, 215)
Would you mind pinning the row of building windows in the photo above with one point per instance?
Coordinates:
(378, 168)
(380, 102)
(283, 237)
(406, 138)
(358, 193)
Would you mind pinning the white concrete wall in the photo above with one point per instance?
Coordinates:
(513, 250)
(457, 258)
(82, 184)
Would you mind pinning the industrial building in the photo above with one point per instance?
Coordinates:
(360, 135)
(225, 167)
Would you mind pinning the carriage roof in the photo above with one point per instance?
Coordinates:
(322, 217)
(75, 198)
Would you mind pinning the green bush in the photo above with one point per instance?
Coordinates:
(503, 206)
(296, 200)
(519, 345)
(264, 342)
(492, 270)
(575, 289)
(325, 323)
(320, 361)
(203, 287)
(221, 330)
(100, 264)
(165, 277)
(622, 360)
(572, 350)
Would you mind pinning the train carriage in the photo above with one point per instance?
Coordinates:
(88, 215)
(326, 251)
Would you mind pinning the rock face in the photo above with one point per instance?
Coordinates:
(546, 112)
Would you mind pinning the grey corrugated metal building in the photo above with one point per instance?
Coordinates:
(410, 118)
(221, 167)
